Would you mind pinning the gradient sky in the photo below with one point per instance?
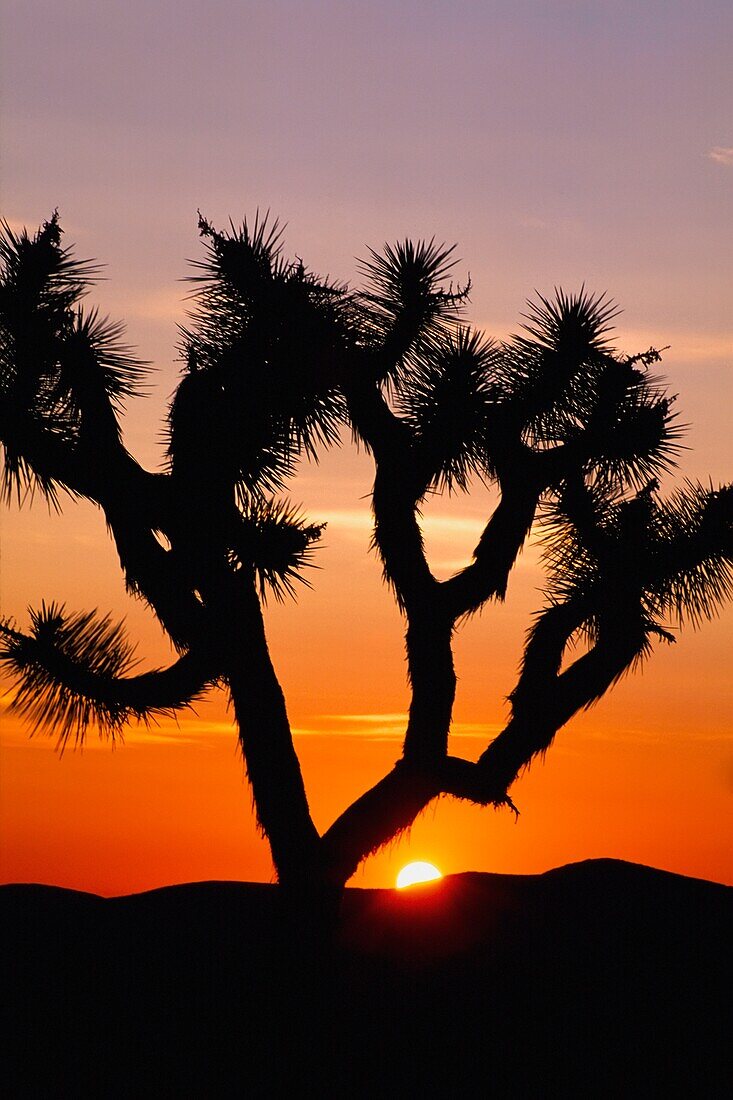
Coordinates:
(556, 142)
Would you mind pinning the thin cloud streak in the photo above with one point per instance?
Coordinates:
(397, 716)
(439, 528)
(21, 737)
(354, 520)
(387, 727)
(721, 154)
(692, 346)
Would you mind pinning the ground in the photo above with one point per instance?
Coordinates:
(601, 978)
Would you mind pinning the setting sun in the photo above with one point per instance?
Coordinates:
(417, 872)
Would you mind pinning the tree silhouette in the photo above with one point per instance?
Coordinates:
(278, 362)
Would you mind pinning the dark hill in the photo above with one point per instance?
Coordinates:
(601, 978)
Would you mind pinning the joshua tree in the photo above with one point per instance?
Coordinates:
(278, 362)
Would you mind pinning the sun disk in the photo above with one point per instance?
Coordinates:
(417, 872)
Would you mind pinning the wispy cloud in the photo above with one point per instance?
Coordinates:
(33, 223)
(641, 736)
(162, 304)
(372, 727)
(385, 727)
(361, 520)
(17, 731)
(159, 735)
(440, 528)
(368, 719)
(683, 344)
(482, 731)
(721, 154)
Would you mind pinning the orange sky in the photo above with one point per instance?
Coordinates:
(646, 775)
(609, 161)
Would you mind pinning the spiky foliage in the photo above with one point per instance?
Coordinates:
(58, 365)
(97, 343)
(548, 370)
(561, 378)
(39, 276)
(406, 302)
(570, 325)
(276, 542)
(445, 400)
(673, 558)
(225, 431)
(56, 665)
(634, 435)
(73, 671)
(261, 350)
(691, 572)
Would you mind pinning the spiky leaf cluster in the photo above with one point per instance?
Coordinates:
(693, 553)
(445, 400)
(57, 364)
(673, 558)
(477, 407)
(262, 350)
(62, 671)
(546, 371)
(407, 304)
(225, 429)
(276, 543)
(560, 382)
(633, 435)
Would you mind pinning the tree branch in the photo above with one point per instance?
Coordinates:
(545, 699)
(65, 681)
(377, 817)
(494, 557)
(400, 482)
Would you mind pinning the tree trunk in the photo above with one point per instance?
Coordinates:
(267, 745)
(433, 681)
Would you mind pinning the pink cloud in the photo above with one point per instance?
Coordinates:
(721, 154)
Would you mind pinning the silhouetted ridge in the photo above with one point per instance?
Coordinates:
(554, 981)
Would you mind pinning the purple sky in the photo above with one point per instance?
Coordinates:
(555, 141)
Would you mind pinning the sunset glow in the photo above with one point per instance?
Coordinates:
(417, 872)
(556, 144)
